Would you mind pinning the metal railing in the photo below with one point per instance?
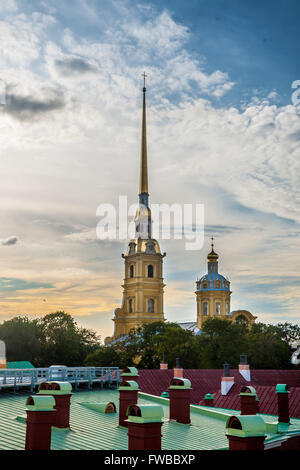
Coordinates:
(17, 378)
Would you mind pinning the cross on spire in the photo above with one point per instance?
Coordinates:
(144, 76)
(212, 242)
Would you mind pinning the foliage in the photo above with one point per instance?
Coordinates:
(53, 339)
(57, 339)
(22, 338)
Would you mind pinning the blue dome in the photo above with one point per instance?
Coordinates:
(211, 278)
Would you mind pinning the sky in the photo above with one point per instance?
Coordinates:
(223, 131)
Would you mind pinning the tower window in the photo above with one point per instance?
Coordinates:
(150, 270)
(130, 306)
(150, 305)
(205, 308)
(218, 308)
(131, 270)
(227, 308)
(131, 248)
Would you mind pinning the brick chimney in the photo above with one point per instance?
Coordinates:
(163, 364)
(245, 432)
(178, 371)
(282, 391)
(180, 397)
(144, 427)
(128, 395)
(227, 381)
(209, 400)
(61, 392)
(248, 400)
(130, 373)
(244, 368)
(40, 416)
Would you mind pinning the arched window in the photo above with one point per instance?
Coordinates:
(218, 308)
(227, 308)
(131, 270)
(150, 270)
(150, 305)
(130, 306)
(205, 308)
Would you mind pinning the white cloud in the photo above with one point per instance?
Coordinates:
(76, 156)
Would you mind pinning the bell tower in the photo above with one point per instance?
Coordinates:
(143, 286)
(212, 291)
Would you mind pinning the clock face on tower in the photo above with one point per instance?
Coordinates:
(150, 248)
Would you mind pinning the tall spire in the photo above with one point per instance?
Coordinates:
(144, 166)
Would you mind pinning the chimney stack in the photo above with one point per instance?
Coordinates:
(163, 364)
(40, 416)
(180, 397)
(61, 392)
(144, 427)
(128, 396)
(282, 391)
(209, 400)
(245, 432)
(248, 401)
(227, 381)
(130, 373)
(178, 371)
(244, 368)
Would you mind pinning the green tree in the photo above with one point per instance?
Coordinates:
(222, 341)
(267, 349)
(63, 342)
(22, 338)
(104, 356)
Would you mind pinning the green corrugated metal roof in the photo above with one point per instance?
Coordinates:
(91, 429)
(19, 365)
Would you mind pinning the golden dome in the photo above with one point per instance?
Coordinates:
(212, 257)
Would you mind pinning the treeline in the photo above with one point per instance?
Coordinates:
(267, 346)
(53, 339)
(57, 339)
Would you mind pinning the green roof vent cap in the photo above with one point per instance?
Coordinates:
(248, 390)
(128, 385)
(145, 413)
(178, 383)
(209, 396)
(40, 403)
(245, 426)
(165, 395)
(55, 388)
(130, 372)
(282, 388)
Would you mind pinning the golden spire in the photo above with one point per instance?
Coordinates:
(144, 166)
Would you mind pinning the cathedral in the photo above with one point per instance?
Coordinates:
(143, 286)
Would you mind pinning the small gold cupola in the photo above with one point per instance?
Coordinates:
(212, 259)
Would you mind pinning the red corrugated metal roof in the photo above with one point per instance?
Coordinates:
(209, 381)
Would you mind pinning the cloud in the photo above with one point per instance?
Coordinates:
(8, 6)
(28, 107)
(12, 284)
(10, 241)
(73, 66)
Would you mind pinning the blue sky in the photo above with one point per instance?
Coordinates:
(222, 131)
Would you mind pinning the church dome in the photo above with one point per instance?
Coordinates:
(213, 281)
(212, 256)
